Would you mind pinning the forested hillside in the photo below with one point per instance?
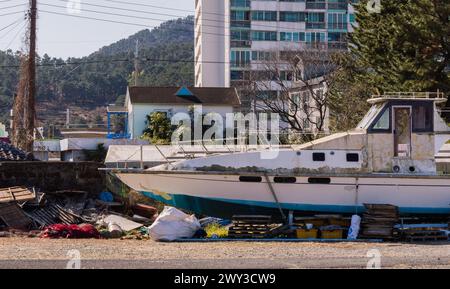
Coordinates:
(100, 78)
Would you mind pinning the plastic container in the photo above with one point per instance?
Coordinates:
(307, 234)
(332, 234)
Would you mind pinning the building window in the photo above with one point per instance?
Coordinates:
(314, 37)
(241, 3)
(315, 20)
(264, 16)
(352, 18)
(264, 35)
(240, 58)
(292, 36)
(337, 21)
(286, 16)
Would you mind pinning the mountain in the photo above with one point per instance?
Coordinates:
(178, 31)
(102, 77)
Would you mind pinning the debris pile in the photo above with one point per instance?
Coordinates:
(11, 153)
(71, 214)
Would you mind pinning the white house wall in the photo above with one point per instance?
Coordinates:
(139, 113)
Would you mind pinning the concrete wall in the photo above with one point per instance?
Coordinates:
(53, 176)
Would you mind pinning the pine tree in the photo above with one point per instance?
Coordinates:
(406, 47)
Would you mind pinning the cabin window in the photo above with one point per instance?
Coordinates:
(384, 121)
(353, 158)
(250, 179)
(325, 181)
(423, 118)
(285, 180)
(319, 157)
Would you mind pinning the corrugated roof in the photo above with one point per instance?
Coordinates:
(201, 95)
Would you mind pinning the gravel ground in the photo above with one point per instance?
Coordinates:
(40, 253)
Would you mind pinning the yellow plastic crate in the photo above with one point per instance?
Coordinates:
(332, 234)
(340, 222)
(307, 234)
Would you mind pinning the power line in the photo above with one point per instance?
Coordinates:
(121, 22)
(133, 10)
(15, 36)
(12, 13)
(4, 1)
(259, 25)
(129, 60)
(6, 27)
(162, 7)
(14, 6)
(108, 13)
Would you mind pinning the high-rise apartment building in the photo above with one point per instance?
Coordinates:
(233, 36)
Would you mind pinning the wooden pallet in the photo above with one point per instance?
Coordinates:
(16, 194)
(250, 226)
(424, 235)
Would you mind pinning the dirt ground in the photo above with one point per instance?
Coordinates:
(40, 253)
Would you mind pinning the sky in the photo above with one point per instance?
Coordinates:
(68, 34)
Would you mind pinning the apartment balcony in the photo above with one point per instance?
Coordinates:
(240, 4)
(315, 25)
(241, 44)
(316, 5)
(240, 24)
(338, 5)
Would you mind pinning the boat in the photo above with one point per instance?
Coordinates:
(389, 158)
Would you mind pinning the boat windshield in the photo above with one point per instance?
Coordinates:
(371, 114)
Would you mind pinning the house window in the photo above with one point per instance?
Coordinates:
(319, 157)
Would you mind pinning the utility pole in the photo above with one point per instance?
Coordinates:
(24, 111)
(136, 64)
(31, 99)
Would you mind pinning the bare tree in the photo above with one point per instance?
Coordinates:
(308, 72)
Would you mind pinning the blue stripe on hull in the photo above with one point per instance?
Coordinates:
(224, 208)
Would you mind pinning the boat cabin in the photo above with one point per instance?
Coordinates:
(401, 133)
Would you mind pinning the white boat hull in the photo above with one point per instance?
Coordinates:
(223, 195)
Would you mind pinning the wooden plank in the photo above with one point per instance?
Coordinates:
(17, 194)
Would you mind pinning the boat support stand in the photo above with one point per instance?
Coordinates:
(275, 196)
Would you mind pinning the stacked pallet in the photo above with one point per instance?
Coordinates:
(248, 227)
(424, 235)
(378, 221)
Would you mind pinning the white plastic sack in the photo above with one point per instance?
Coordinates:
(173, 224)
(353, 232)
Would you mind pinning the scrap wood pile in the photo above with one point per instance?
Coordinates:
(378, 222)
(70, 214)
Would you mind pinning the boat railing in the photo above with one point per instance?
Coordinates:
(184, 150)
(411, 95)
